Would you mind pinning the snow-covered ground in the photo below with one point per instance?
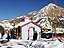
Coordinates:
(48, 44)
(41, 43)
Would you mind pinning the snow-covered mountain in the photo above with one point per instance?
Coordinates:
(49, 11)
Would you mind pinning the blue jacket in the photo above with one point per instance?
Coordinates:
(13, 36)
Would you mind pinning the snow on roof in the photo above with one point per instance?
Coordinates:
(20, 24)
(25, 23)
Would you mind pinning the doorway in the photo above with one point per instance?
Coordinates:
(30, 33)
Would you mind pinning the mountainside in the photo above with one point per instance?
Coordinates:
(51, 10)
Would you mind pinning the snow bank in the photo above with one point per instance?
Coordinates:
(47, 44)
(33, 44)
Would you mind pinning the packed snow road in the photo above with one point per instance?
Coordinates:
(41, 43)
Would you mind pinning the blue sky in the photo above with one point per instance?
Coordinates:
(13, 8)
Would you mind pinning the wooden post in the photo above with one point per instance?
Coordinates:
(17, 34)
